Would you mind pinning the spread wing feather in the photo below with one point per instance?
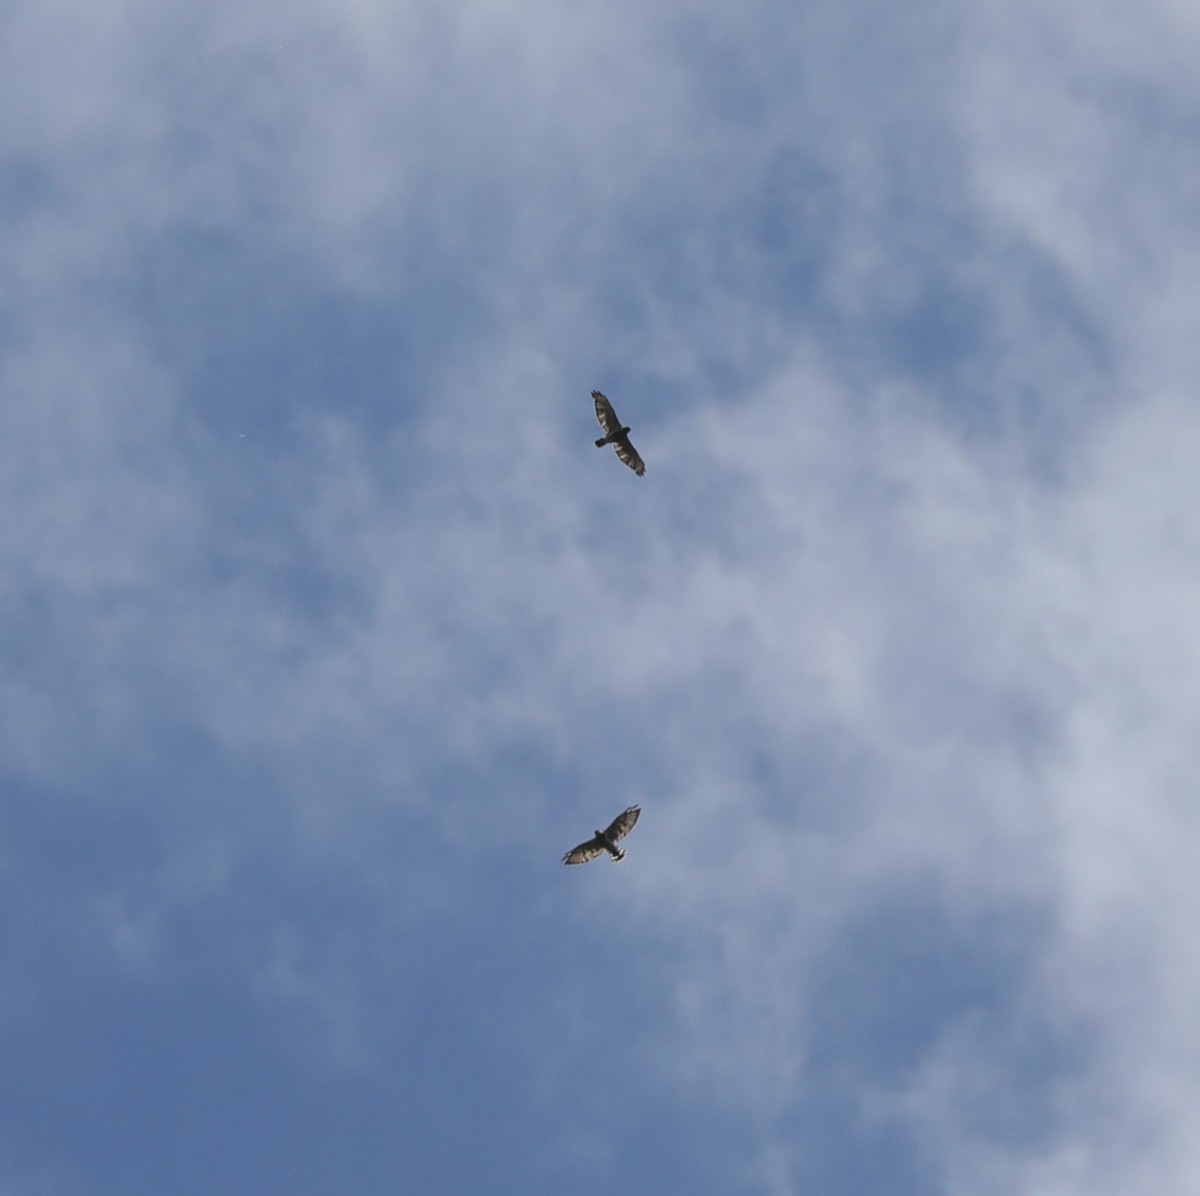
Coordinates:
(605, 413)
(629, 455)
(585, 852)
(623, 823)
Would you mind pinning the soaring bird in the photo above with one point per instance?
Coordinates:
(616, 435)
(605, 840)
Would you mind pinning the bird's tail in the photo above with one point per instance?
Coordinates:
(602, 442)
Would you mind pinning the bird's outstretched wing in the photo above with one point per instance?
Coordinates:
(629, 455)
(605, 413)
(623, 823)
(585, 852)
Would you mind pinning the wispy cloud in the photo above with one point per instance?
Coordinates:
(326, 628)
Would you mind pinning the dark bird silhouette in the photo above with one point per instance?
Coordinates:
(616, 435)
(605, 840)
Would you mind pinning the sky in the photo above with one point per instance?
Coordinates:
(326, 630)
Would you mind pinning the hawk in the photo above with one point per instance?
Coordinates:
(605, 840)
(616, 435)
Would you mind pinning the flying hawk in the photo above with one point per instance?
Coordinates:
(605, 840)
(616, 435)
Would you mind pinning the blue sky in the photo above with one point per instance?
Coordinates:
(326, 631)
